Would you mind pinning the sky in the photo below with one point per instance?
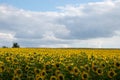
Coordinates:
(61, 23)
(43, 5)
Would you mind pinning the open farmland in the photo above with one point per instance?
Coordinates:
(59, 64)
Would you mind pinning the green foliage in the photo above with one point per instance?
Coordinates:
(15, 45)
(4, 47)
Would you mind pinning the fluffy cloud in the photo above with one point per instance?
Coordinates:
(86, 25)
(99, 19)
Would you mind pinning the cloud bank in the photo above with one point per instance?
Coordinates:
(85, 25)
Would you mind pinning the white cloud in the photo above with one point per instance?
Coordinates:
(6, 36)
(87, 25)
(6, 39)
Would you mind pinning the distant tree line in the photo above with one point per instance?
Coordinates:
(15, 45)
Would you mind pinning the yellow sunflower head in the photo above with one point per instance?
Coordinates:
(30, 77)
(43, 73)
(53, 78)
(40, 78)
(57, 72)
(2, 68)
(18, 72)
(103, 65)
(94, 68)
(1, 63)
(76, 71)
(99, 71)
(36, 71)
(87, 68)
(57, 65)
(111, 73)
(60, 77)
(117, 64)
(16, 78)
(27, 68)
(85, 76)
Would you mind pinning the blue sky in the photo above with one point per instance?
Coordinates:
(60, 23)
(43, 5)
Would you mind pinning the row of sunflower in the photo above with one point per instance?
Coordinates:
(59, 64)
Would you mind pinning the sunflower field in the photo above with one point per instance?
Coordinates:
(59, 64)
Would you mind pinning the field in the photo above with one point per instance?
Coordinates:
(59, 64)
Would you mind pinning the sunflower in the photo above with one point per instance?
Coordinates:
(36, 71)
(16, 78)
(30, 72)
(87, 68)
(99, 71)
(8, 59)
(117, 64)
(85, 76)
(53, 78)
(37, 75)
(24, 76)
(2, 68)
(47, 67)
(94, 66)
(102, 65)
(57, 65)
(94, 63)
(43, 73)
(40, 78)
(27, 68)
(76, 71)
(30, 77)
(18, 72)
(60, 77)
(1, 63)
(70, 69)
(57, 72)
(111, 73)
(15, 61)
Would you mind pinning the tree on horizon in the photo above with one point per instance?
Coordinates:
(16, 45)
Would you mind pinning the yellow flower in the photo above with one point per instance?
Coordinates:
(8, 59)
(43, 73)
(18, 72)
(37, 75)
(36, 71)
(111, 73)
(102, 64)
(85, 76)
(57, 72)
(94, 63)
(40, 78)
(94, 66)
(87, 68)
(30, 78)
(117, 64)
(1, 63)
(57, 65)
(47, 66)
(99, 71)
(53, 78)
(76, 71)
(15, 61)
(16, 78)
(70, 69)
(2, 68)
(27, 68)
(60, 77)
